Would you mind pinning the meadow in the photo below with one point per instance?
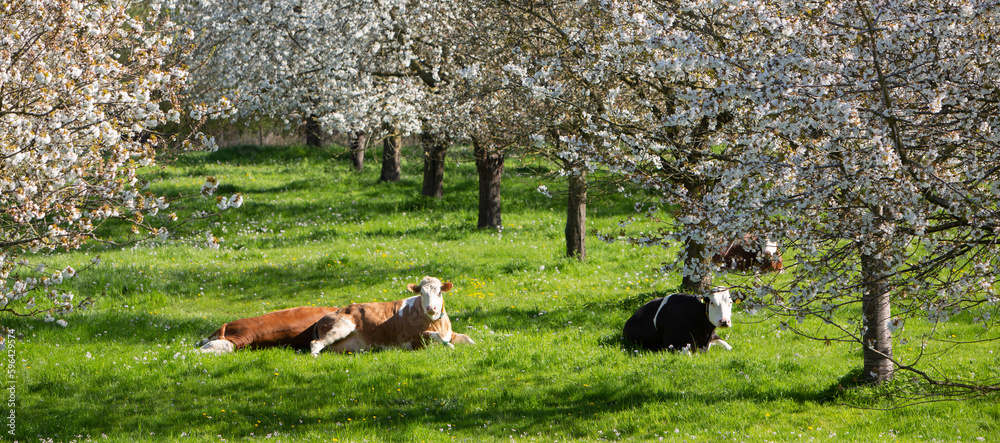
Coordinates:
(549, 364)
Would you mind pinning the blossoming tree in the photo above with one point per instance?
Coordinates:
(388, 67)
(83, 89)
(352, 67)
(861, 135)
(530, 96)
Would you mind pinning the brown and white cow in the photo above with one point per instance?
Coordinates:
(288, 327)
(749, 253)
(409, 324)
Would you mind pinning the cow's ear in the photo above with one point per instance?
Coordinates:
(446, 286)
(413, 288)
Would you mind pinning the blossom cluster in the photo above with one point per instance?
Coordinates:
(346, 65)
(85, 89)
(860, 136)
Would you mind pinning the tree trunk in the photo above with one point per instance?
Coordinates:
(390, 158)
(697, 258)
(434, 156)
(489, 164)
(358, 150)
(876, 308)
(576, 217)
(314, 133)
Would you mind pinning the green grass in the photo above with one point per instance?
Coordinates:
(549, 364)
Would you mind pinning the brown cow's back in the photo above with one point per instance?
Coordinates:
(287, 327)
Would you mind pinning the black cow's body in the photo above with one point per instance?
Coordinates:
(682, 322)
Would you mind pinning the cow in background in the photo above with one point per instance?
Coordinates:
(749, 253)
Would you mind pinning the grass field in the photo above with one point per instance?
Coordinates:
(549, 364)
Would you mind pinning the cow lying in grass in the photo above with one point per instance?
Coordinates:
(288, 327)
(681, 322)
(409, 324)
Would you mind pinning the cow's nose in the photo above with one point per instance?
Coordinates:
(431, 311)
(724, 323)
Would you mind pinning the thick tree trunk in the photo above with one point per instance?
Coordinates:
(434, 155)
(697, 258)
(876, 309)
(576, 218)
(358, 150)
(489, 164)
(314, 133)
(390, 159)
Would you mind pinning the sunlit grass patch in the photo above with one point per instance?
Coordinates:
(549, 364)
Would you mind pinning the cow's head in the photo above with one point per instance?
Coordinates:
(720, 307)
(770, 260)
(431, 298)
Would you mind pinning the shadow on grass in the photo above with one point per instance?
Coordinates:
(595, 314)
(245, 396)
(132, 327)
(257, 155)
(460, 183)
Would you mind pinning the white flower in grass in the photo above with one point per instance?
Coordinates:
(61, 322)
(213, 241)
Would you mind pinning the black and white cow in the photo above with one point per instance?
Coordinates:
(681, 322)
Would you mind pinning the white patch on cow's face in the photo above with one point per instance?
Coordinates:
(720, 308)
(431, 298)
(770, 247)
